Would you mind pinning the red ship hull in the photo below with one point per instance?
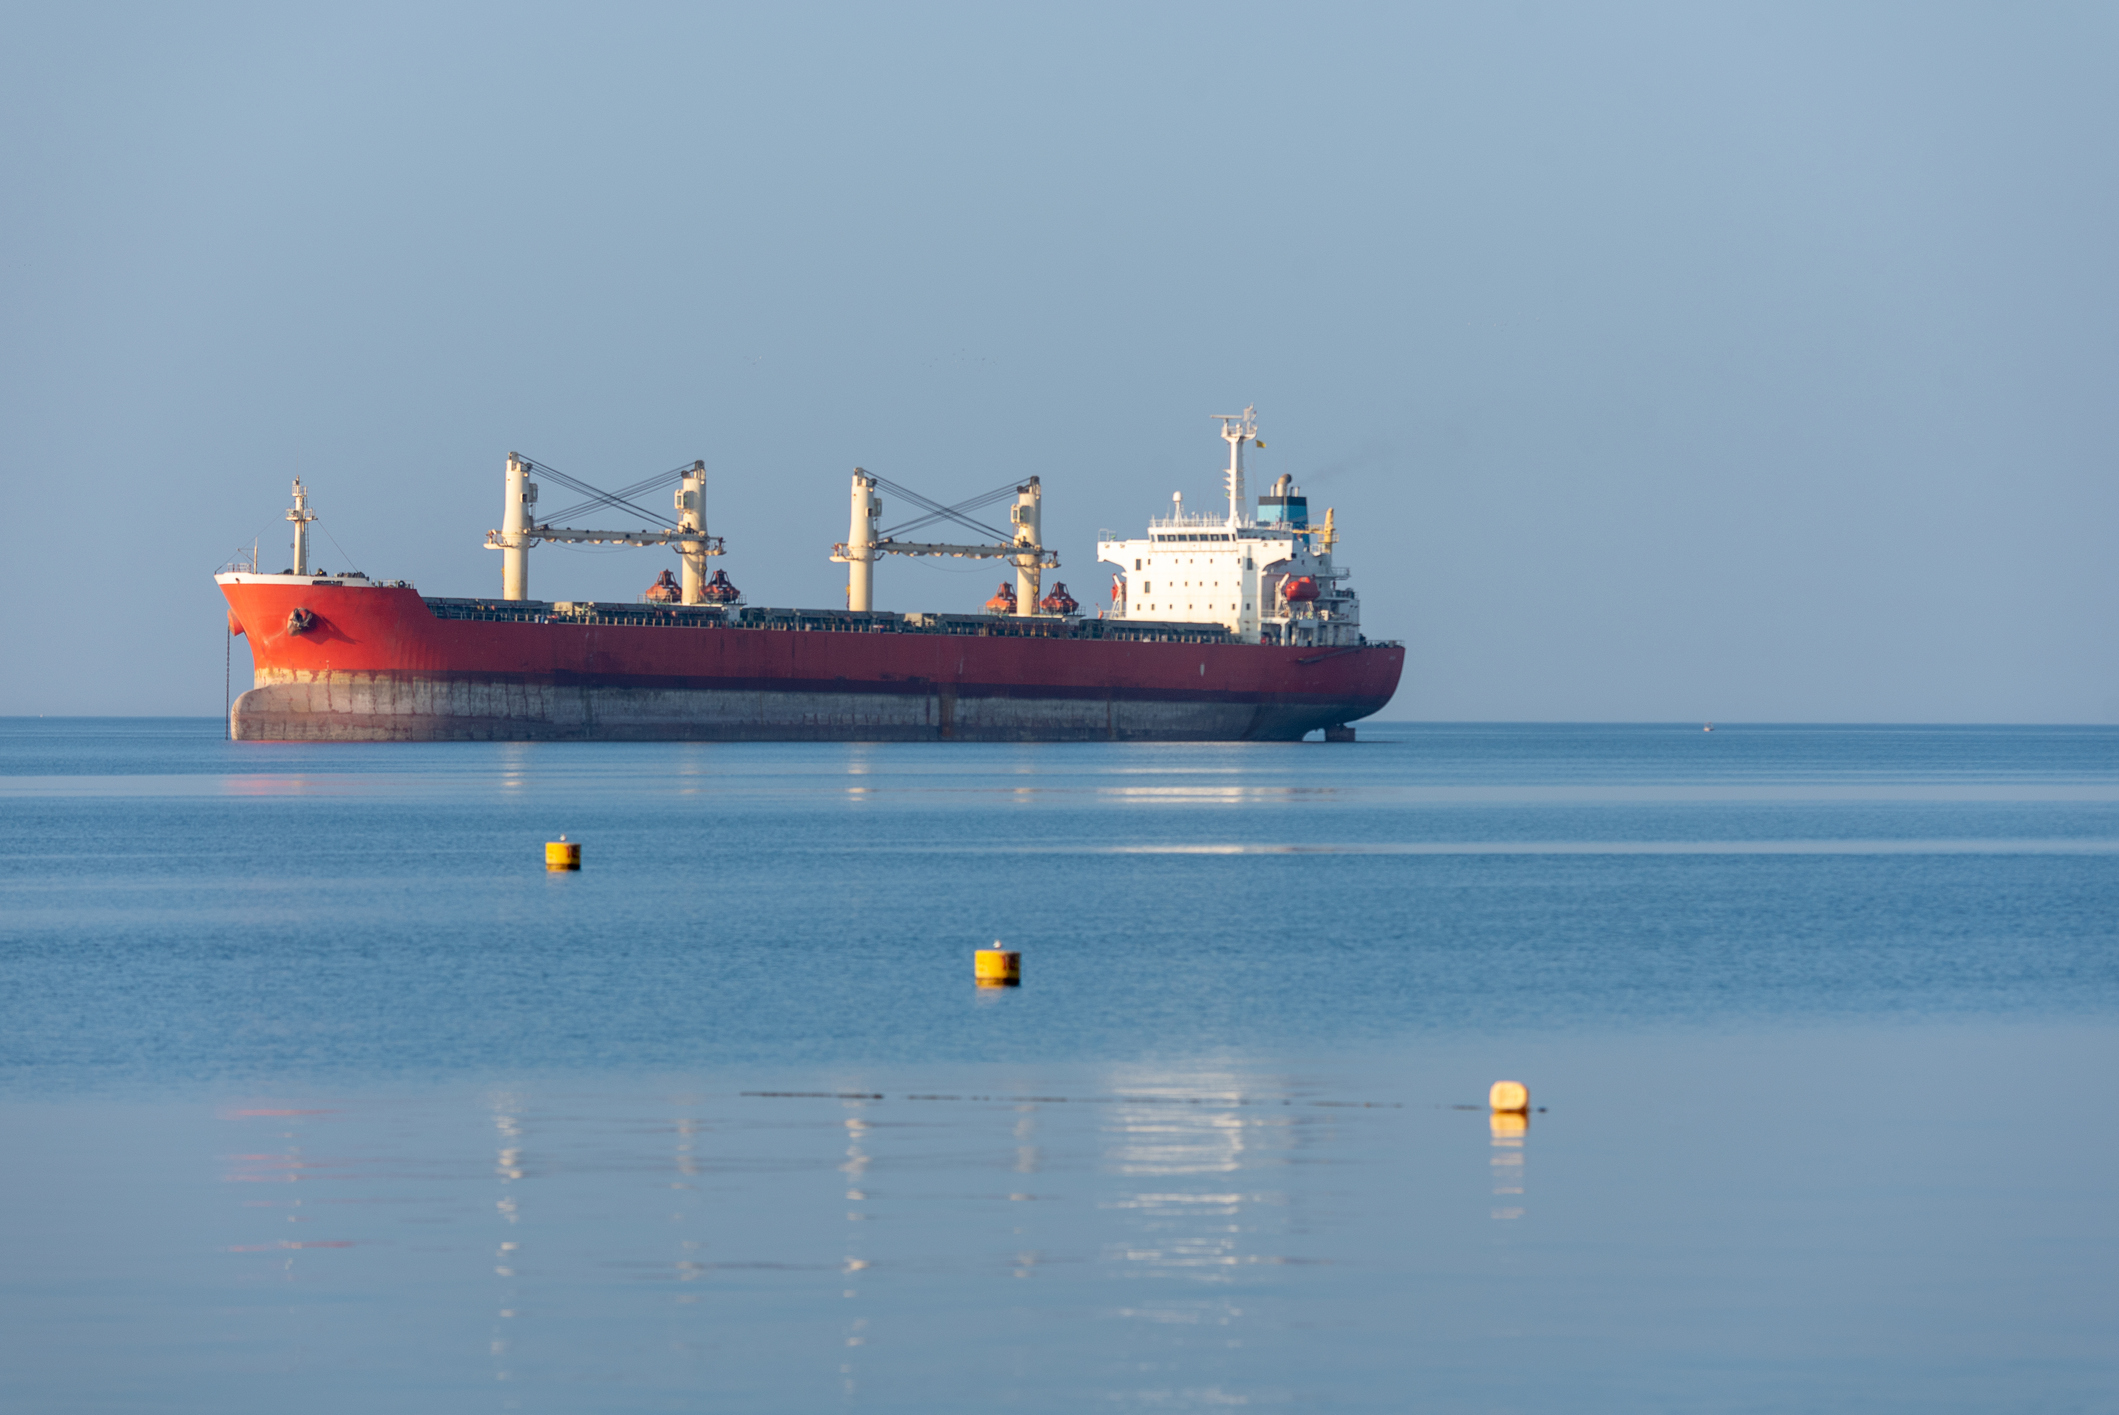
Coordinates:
(358, 662)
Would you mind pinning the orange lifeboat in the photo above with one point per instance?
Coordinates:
(1003, 601)
(1302, 589)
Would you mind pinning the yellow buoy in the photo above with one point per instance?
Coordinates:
(1509, 1097)
(562, 854)
(997, 967)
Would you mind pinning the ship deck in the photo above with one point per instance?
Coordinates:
(838, 621)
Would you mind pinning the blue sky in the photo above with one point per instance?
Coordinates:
(1662, 362)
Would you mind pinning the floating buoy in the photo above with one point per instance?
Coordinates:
(562, 854)
(1509, 1098)
(997, 967)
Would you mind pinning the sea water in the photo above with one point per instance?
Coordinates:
(318, 1092)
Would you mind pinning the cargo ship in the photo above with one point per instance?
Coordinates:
(1234, 625)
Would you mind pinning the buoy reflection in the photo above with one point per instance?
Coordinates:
(1509, 1129)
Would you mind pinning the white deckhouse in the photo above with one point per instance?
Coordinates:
(1267, 576)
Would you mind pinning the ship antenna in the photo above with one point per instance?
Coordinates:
(1236, 430)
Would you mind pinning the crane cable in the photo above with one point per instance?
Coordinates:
(598, 497)
(937, 511)
(639, 488)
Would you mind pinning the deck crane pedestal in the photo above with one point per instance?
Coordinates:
(865, 542)
(520, 529)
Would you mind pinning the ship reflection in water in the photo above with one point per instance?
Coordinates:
(1202, 1212)
(1115, 1233)
(966, 1237)
(322, 1093)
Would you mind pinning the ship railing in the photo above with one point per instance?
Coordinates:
(1246, 530)
(652, 616)
(1196, 521)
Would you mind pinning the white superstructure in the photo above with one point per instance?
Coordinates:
(1267, 575)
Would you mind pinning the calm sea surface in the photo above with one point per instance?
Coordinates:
(318, 1093)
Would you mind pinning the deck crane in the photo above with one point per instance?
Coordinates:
(865, 542)
(520, 529)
